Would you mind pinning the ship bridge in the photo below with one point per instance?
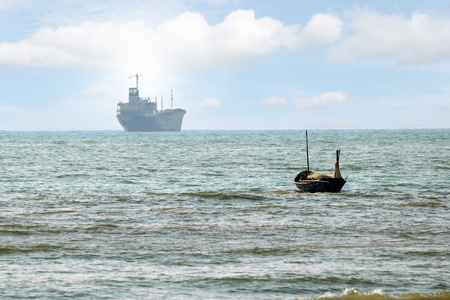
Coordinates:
(133, 95)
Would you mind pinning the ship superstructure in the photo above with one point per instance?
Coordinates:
(142, 114)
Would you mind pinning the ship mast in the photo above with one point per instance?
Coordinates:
(137, 79)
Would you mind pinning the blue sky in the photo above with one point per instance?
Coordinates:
(232, 64)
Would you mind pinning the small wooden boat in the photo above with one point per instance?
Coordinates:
(309, 181)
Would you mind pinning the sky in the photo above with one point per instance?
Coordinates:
(232, 64)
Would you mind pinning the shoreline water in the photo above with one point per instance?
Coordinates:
(215, 214)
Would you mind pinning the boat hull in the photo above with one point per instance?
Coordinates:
(330, 185)
(170, 120)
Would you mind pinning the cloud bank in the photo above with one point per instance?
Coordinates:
(190, 42)
(186, 41)
(420, 39)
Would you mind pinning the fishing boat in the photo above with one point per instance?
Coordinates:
(313, 182)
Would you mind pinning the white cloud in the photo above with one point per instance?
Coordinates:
(87, 45)
(186, 41)
(211, 103)
(324, 100)
(423, 38)
(273, 101)
(321, 30)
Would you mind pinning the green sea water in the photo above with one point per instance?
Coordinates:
(215, 215)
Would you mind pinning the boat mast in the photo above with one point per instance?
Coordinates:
(307, 154)
(137, 78)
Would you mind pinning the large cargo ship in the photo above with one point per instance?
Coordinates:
(142, 114)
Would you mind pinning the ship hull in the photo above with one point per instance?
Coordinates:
(170, 120)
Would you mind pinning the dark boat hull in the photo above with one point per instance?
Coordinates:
(312, 182)
(330, 185)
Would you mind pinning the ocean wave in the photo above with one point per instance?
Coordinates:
(424, 204)
(32, 248)
(354, 294)
(237, 195)
(73, 175)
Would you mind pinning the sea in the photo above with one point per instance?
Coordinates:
(214, 214)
